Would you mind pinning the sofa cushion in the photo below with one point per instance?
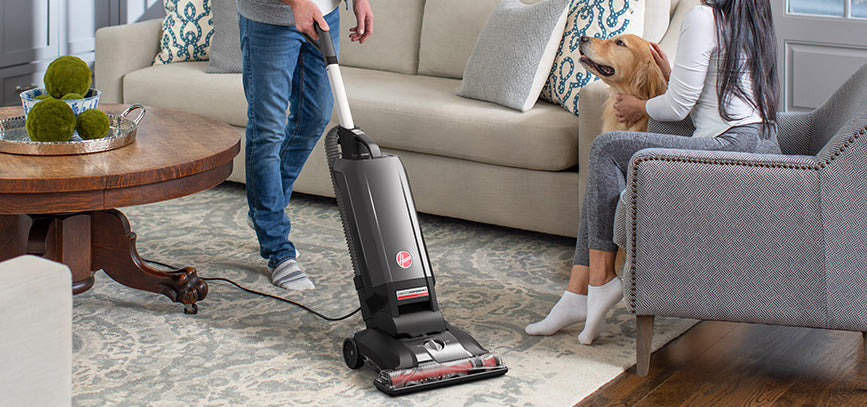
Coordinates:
(407, 112)
(186, 87)
(422, 114)
(514, 53)
(393, 46)
(448, 34)
(657, 14)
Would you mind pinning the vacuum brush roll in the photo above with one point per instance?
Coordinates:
(431, 372)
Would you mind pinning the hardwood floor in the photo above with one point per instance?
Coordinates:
(732, 364)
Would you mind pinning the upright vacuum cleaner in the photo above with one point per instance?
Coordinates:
(407, 340)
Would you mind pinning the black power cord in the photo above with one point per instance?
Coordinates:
(302, 306)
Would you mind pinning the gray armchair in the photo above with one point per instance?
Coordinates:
(757, 238)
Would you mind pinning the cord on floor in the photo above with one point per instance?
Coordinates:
(304, 307)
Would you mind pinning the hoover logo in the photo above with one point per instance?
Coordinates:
(411, 293)
(404, 259)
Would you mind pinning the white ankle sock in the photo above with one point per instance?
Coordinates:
(570, 309)
(599, 300)
(288, 275)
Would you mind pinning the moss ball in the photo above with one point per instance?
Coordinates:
(72, 96)
(67, 74)
(50, 120)
(92, 124)
(43, 97)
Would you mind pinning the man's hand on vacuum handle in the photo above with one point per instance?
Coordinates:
(305, 13)
(364, 16)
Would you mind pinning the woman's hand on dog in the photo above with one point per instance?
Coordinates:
(629, 109)
(661, 59)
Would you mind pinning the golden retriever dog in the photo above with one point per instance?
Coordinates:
(626, 64)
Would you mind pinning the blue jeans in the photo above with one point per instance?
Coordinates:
(281, 71)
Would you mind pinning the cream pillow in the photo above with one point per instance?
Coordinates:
(187, 30)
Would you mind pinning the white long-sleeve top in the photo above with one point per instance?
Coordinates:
(692, 86)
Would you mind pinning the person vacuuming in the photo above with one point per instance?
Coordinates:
(281, 71)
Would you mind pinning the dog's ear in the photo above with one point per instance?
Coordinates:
(651, 83)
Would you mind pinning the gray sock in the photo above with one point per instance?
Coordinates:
(288, 275)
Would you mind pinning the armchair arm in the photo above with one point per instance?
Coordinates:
(793, 132)
(122, 49)
(724, 236)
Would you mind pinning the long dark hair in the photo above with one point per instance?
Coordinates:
(746, 28)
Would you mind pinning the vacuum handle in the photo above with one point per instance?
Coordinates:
(324, 44)
(326, 47)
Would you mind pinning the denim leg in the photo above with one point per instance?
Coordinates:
(310, 104)
(272, 55)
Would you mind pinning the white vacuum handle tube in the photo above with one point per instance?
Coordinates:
(341, 102)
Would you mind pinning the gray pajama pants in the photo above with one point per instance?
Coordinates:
(606, 178)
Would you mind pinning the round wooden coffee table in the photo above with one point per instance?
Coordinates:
(63, 207)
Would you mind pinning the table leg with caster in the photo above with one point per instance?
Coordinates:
(115, 253)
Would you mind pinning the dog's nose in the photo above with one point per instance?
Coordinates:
(585, 38)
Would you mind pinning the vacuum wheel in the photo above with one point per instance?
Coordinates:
(350, 354)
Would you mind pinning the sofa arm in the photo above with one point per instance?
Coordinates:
(590, 107)
(36, 343)
(724, 236)
(122, 49)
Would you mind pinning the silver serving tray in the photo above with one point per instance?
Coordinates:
(121, 132)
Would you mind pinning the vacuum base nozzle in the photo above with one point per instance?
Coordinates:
(434, 374)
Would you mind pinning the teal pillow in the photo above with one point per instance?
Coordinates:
(593, 18)
(514, 53)
(187, 30)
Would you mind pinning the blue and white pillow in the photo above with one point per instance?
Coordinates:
(593, 18)
(187, 30)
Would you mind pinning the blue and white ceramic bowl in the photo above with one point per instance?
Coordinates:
(90, 101)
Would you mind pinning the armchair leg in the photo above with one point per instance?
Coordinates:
(864, 338)
(644, 334)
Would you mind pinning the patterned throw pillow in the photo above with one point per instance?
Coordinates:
(187, 30)
(593, 18)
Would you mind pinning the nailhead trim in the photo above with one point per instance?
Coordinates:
(633, 279)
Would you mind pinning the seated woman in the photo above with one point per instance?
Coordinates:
(725, 78)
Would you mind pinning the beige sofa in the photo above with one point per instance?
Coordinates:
(465, 158)
(36, 341)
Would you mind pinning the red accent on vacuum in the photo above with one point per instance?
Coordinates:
(404, 259)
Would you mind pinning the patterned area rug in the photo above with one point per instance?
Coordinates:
(138, 348)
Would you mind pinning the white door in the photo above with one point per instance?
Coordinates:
(821, 43)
